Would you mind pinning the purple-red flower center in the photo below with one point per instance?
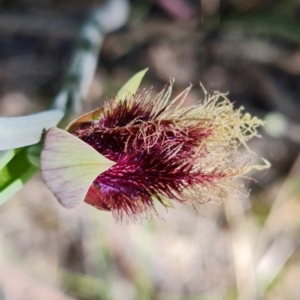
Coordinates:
(162, 150)
(154, 157)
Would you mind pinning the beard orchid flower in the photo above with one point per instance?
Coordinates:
(138, 149)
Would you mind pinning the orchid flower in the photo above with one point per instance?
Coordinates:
(138, 148)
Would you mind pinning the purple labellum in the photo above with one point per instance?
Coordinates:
(164, 150)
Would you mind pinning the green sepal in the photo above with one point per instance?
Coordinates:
(132, 85)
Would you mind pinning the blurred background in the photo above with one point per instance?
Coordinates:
(247, 249)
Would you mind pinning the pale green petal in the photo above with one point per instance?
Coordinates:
(132, 85)
(69, 166)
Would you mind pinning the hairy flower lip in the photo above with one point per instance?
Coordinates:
(152, 149)
(195, 138)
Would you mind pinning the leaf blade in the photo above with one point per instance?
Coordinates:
(22, 131)
(15, 174)
(7, 156)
